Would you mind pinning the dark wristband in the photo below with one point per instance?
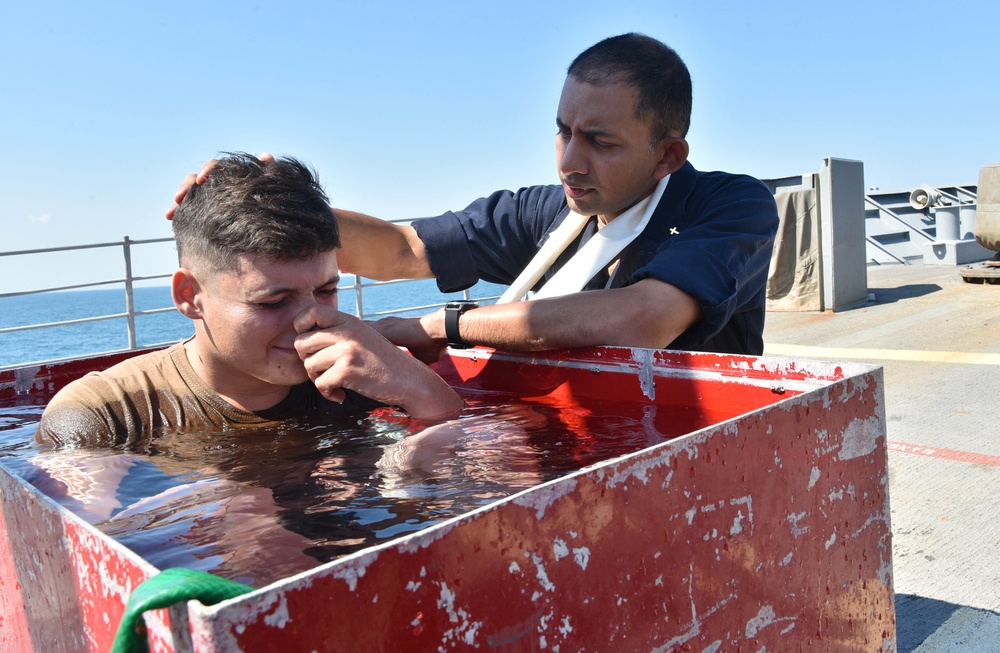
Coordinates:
(452, 310)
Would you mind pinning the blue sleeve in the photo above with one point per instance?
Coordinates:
(721, 251)
(492, 239)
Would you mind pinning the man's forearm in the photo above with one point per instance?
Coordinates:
(648, 314)
(378, 249)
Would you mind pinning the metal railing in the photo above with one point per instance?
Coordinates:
(129, 281)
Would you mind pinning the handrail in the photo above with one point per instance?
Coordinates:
(898, 218)
(877, 245)
(129, 281)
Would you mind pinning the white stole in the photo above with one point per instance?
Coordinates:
(595, 255)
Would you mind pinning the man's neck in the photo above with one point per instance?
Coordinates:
(603, 220)
(252, 395)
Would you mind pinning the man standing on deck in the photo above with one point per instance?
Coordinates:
(258, 276)
(668, 256)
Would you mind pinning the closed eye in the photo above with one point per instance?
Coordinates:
(273, 306)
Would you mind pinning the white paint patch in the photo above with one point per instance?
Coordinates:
(447, 601)
(539, 499)
(350, 573)
(737, 527)
(745, 501)
(279, 618)
(543, 577)
(813, 477)
(413, 586)
(713, 647)
(24, 378)
(797, 531)
(565, 628)
(644, 357)
(639, 470)
(514, 568)
(581, 556)
(559, 549)
(764, 618)
(859, 438)
(830, 542)
(466, 630)
(271, 608)
(884, 572)
(787, 559)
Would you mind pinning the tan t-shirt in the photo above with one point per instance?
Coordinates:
(159, 390)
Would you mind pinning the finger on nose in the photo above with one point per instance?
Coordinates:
(307, 320)
(318, 317)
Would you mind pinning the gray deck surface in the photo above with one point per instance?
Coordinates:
(938, 340)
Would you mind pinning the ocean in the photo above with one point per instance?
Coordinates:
(70, 341)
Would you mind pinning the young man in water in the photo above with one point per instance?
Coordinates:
(688, 270)
(258, 277)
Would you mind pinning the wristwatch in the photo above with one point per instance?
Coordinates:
(451, 312)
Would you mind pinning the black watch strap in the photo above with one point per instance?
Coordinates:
(452, 310)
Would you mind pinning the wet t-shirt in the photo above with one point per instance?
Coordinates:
(160, 391)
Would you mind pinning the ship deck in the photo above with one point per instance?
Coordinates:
(938, 340)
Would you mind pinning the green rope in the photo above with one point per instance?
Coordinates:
(164, 590)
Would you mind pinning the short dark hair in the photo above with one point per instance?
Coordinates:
(657, 73)
(248, 206)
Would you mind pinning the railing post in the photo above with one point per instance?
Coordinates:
(359, 303)
(129, 301)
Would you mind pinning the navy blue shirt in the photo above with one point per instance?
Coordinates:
(710, 236)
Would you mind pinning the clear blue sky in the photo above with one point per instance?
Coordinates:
(410, 109)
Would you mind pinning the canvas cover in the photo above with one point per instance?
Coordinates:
(793, 281)
(987, 229)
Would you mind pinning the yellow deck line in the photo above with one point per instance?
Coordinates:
(911, 355)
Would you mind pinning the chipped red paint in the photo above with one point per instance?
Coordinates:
(48, 379)
(768, 530)
(64, 583)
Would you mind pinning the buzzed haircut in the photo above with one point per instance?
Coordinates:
(661, 80)
(247, 206)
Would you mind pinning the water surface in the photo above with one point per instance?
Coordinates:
(258, 505)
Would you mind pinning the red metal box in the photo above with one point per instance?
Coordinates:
(767, 530)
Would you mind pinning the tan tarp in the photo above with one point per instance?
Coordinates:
(793, 281)
(987, 229)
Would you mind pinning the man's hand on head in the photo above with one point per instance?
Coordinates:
(199, 179)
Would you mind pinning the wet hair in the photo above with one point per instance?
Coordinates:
(248, 206)
(661, 80)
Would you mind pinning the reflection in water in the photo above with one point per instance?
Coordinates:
(263, 504)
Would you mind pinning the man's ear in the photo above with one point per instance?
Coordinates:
(673, 153)
(187, 293)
